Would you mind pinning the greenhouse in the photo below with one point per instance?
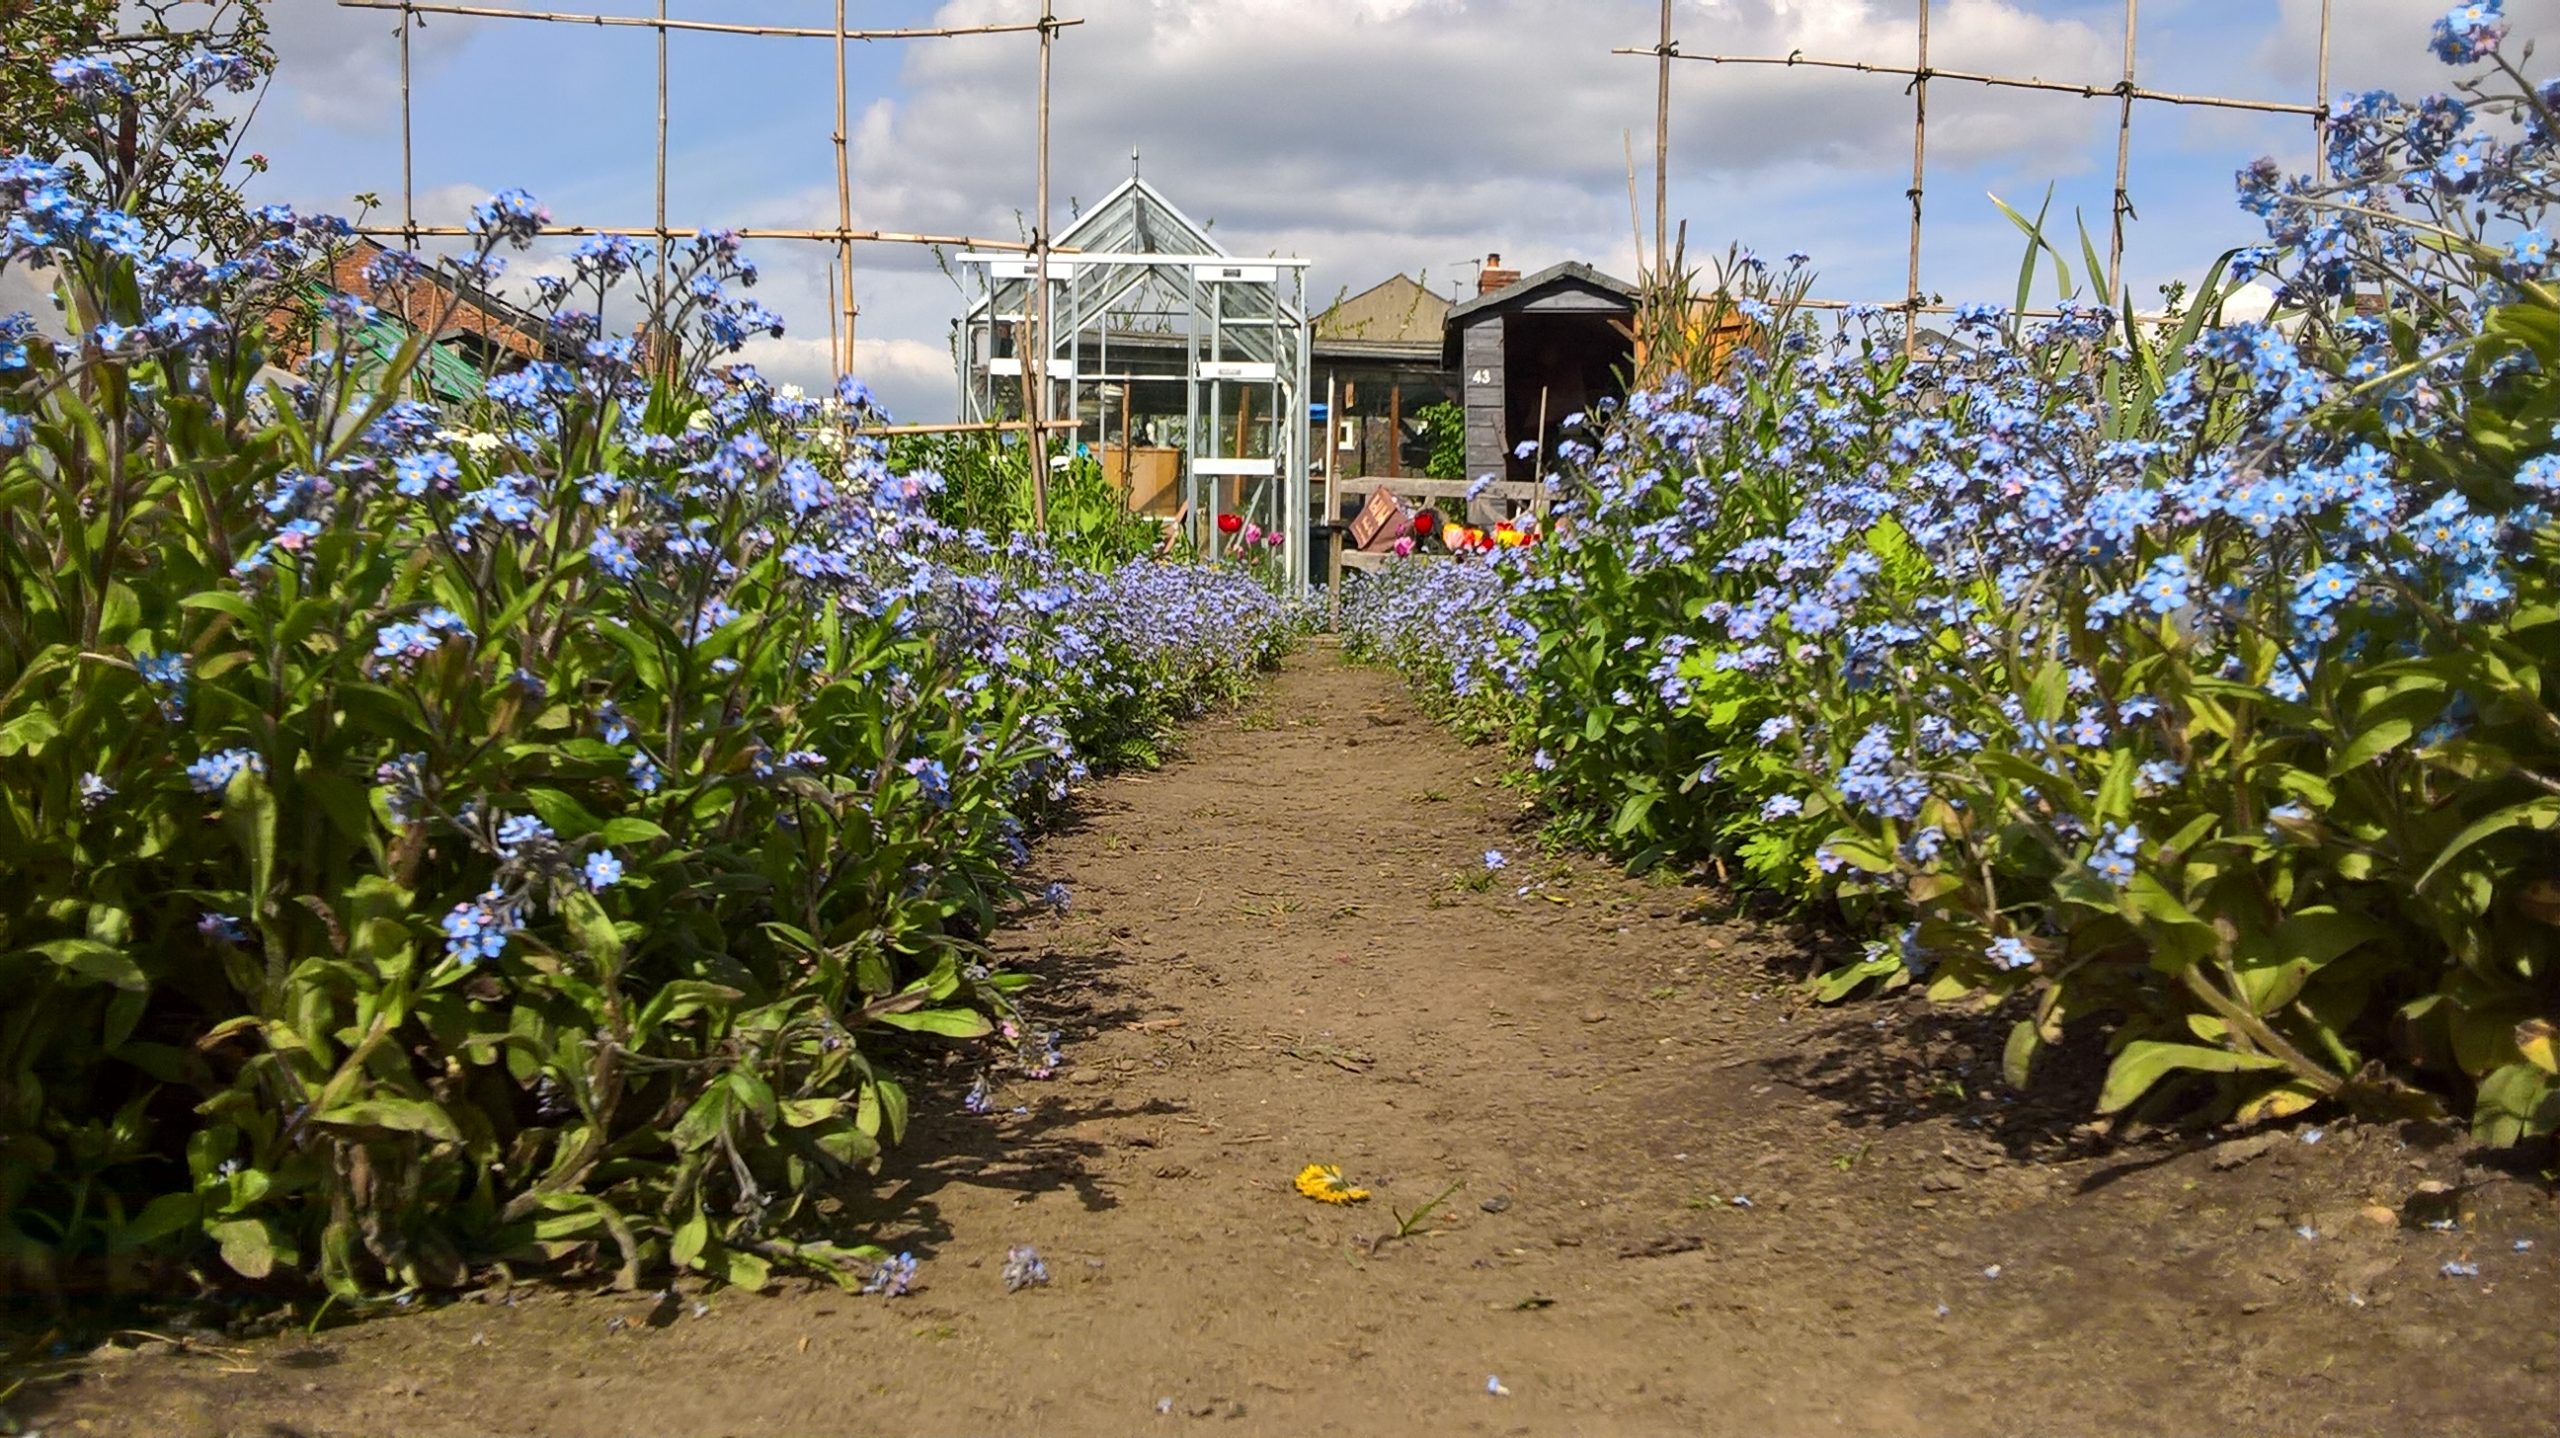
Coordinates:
(1183, 369)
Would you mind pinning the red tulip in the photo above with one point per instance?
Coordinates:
(1230, 523)
(1425, 521)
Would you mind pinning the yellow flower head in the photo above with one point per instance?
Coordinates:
(1323, 1182)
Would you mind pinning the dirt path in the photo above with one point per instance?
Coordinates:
(1686, 1205)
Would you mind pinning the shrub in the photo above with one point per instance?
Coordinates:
(1445, 426)
(2190, 677)
(984, 482)
(518, 832)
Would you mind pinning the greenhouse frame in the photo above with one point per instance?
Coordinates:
(1181, 368)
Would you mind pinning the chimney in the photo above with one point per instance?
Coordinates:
(1492, 276)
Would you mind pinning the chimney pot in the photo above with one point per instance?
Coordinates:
(1492, 276)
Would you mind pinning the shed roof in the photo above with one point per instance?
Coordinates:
(1572, 276)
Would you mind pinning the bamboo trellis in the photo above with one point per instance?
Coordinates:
(2126, 91)
(843, 312)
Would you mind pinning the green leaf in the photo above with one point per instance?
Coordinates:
(2034, 231)
(563, 813)
(2049, 693)
(249, 813)
(2145, 898)
(2372, 744)
(2115, 792)
(755, 1095)
(645, 660)
(950, 1023)
(626, 831)
(690, 1237)
(248, 1245)
(2019, 1056)
(2517, 1101)
(405, 1115)
(1632, 813)
(97, 962)
(29, 733)
(803, 1112)
(893, 1107)
(222, 602)
(1859, 851)
(169, 1213)
(597, 938)
(746, 1270)
(2145, 1062)
(704, 1120)
(2539, 813)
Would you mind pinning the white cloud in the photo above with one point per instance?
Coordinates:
(1458, 119)
(341, 68)
(2373, 44)
(31, 290)
(1381, 135)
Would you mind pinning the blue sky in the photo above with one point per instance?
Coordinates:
(1370, 136)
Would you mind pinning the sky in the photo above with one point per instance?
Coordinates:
(1369, 136)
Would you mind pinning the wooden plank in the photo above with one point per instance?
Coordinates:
(1445, 488)
(1488, 428)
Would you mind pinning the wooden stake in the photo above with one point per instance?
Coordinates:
(1635, 213)
(2320, 107)
(2124, 159)
(408, 167)
(1537, 466)
(662, 151)
(927, 32)
(2059, 87)
(1919, 173)
(1662, 140)
(1395, 431)
(844, 202)
(1040, 263)
(970, 426)
(1333, 502)
(744, 232)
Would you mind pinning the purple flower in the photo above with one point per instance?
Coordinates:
(213, 773)
(479, 928)
(511, 215)
(1023, 1268)
(893, 1277)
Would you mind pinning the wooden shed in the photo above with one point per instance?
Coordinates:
(1530, 351)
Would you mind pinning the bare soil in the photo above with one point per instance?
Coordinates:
(1685, 1202)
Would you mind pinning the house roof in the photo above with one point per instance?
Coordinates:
(1398, 310)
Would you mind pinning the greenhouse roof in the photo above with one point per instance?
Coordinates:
(1137, 219)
